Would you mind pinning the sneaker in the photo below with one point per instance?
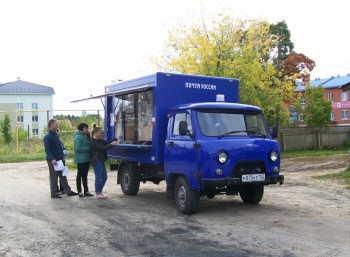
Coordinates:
(81, 194)
(72, 193)
(56, 196)
(88, 194)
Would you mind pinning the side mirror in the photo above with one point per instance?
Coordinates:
(183, 129)
(275, 131)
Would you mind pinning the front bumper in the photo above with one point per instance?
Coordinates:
(209, 183)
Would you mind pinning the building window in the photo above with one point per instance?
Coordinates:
(344, 114)
(344, 96)
(34, 106)
(35, 132)
(19, 106)
(332, 116)
(330, 97)
(301, 117)
(35, 118)
(20, 119)
(302, 100)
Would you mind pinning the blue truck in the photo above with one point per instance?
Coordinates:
(191, 132)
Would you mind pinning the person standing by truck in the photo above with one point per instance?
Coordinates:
(99, 149)
(54, 153)
(82, 157)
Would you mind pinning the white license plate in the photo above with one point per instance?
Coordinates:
(253, 177)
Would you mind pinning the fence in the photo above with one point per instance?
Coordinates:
(297, 138)
(32, 124)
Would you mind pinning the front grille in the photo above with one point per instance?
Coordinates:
(243, 168)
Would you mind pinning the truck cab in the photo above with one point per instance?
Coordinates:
(219, 148)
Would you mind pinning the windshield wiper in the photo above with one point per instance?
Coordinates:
(239, 131)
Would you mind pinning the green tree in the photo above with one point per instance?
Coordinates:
(282, 44)
(318, 110)
(233, 48)
(6, 129)
(22, 135)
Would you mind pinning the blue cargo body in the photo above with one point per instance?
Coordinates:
(168, 90)
(191, 132)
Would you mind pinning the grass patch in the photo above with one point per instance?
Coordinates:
(11, 157)
(343, 177)
(302, 153)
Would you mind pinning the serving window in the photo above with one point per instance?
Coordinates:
(133, 118)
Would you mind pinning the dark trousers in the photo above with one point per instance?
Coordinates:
(82, 176)
(54, 175)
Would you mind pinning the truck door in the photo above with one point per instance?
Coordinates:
(180, 154)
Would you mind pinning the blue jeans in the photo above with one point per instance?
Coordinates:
(100, 176)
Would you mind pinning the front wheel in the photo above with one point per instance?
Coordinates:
(186, 199)
(129, 185)
(252, 194)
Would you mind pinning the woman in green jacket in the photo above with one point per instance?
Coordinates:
(82, 157)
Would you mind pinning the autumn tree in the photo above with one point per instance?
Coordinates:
(298, 64)
(318, 110)
(233, 48)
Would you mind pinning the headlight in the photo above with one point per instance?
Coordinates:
(273, 156)
(221, 157)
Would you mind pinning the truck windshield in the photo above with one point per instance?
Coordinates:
(214, 124)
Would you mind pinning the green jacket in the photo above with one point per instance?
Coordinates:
(82, 147)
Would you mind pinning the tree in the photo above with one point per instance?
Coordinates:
(298, 64)
(282, 45)
(233, 48)
(6, 129)
(318, 110)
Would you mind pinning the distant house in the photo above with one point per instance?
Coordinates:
(337, 91)
(29, 105)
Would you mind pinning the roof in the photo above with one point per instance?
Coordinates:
(332, 82)
(217, 105)
(23, 87)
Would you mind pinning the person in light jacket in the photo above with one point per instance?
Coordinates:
(82, 157)
(99, 149)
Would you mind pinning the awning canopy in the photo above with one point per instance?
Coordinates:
(122, 91)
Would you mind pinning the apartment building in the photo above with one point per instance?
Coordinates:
(29, 105)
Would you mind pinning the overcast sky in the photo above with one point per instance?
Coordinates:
(79, 46)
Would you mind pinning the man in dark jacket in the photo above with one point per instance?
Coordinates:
(54, 153)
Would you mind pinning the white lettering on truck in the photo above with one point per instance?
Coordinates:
(200, 86)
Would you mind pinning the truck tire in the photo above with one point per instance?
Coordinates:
(186, 199)
(128, 184)
(252, 194)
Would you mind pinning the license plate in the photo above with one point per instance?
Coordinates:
(253, 177)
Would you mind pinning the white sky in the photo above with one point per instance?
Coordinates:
(79, 46)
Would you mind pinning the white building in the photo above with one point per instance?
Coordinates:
(29, 105)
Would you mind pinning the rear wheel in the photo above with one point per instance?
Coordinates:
(252, 194)
(129, 184)
(186, 199)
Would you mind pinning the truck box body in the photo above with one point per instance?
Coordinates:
(167, 90)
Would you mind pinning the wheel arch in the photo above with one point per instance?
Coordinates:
(170, 184)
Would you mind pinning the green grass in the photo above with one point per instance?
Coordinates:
(302, 153)
(343, 177)
(13, 157)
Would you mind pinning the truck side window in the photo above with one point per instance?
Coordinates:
(133, 118)
(181, 117)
